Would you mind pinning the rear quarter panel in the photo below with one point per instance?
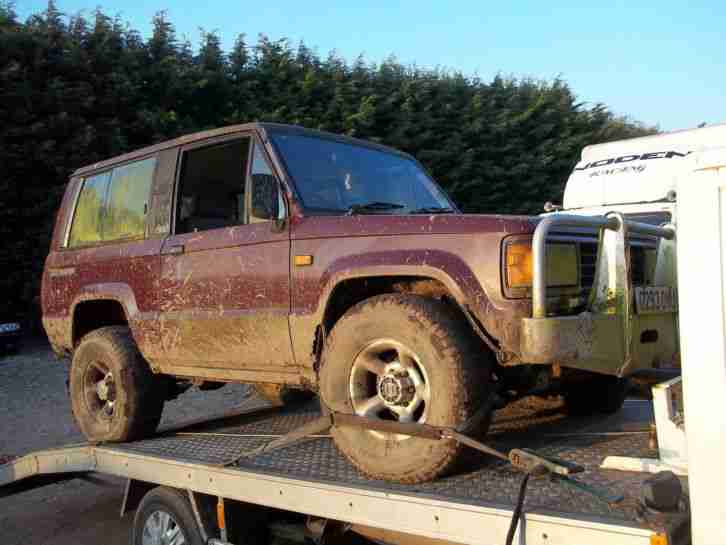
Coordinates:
(125, 272)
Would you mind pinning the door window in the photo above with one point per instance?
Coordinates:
(212, 183)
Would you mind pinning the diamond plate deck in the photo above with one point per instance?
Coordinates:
(484, 481)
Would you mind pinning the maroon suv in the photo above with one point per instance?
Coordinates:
(290, 258)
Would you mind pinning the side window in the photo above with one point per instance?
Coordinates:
(128, 200)
(211, 187)
(265, 200)
(86, 226)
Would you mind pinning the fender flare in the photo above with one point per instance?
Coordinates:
(448, 269)
(105, 291)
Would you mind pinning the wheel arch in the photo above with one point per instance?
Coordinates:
(356, 286)
(101, 305)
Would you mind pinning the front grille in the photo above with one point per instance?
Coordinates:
(637, 265)
(588, 258)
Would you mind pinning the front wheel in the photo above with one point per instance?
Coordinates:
(406, 358)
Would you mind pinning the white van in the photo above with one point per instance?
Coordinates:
(636, 176)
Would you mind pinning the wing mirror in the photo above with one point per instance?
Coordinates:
(549, 206)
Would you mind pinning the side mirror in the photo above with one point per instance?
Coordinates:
(280, 211)
(265, 197)
(549, 206)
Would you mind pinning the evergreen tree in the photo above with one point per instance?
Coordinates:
(79, 89)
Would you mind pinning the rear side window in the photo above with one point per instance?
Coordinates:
(128, 199)
(113, 205)
(86, 228)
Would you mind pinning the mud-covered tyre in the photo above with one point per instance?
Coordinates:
(279, 394)
(407, 358)
(600, 394)
(114, 394)
(166, 516)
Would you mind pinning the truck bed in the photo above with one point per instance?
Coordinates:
(314, 478)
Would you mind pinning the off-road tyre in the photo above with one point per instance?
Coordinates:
(139, 394)
(456, 362)
(601, 394)
(279, 394)
(173, 503)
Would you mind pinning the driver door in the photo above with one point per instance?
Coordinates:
(225, 286)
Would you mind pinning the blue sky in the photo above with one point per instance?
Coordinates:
(659, 62)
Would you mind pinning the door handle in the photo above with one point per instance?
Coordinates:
(176, 249)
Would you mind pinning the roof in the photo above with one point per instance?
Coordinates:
(637, 170)
(694, 139)
(230, 129)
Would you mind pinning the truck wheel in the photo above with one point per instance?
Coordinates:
(601, 394)
(165, 517)
(114, 394)
(406, 358)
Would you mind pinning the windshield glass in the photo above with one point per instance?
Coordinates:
(338, 178)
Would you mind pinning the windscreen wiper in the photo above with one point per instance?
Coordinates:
(373, 207)
(433, 210)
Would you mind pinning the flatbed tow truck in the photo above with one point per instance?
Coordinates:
(221, 458)
(539, 479)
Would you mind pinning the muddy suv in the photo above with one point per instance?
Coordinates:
(289, 258)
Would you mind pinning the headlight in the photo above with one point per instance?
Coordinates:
(519, 264)
(562, 264)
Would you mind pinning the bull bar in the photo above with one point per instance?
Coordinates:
(604, 337)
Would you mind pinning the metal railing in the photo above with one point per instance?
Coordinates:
(539, 246)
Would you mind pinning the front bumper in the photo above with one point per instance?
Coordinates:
(611, 336)
(604, 343)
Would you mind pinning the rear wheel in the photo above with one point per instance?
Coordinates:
(280, 394)
(602, 394)
(406, 358)
(114, 394)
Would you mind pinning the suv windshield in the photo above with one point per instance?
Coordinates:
(339, 178)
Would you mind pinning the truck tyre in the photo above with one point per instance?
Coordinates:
(407, 358)
(601, 394)
(114, 394)
(165, 517)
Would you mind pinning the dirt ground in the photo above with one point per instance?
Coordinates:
(35, 413)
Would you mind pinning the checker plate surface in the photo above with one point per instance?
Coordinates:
(486, 481)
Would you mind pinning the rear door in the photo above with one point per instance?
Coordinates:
(225, 286)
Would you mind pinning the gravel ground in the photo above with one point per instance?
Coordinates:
(35, 413)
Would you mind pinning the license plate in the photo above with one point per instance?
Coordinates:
(655, 299)
(8, 328)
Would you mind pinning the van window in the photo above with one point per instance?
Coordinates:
(128, 200)
(211, 187)
(86, 226)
